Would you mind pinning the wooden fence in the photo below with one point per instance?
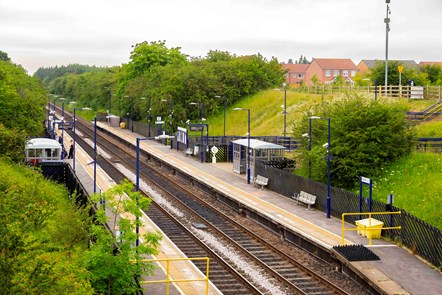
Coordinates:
(429, 92)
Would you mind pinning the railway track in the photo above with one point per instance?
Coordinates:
(270, 269)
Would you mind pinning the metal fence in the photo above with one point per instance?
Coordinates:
(423, 239)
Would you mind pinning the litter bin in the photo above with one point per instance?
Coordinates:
(369, 227)
(123, 125)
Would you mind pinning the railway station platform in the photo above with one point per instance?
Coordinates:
(397, 272)
(178, 269)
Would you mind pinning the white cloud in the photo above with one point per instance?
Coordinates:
(49, 32)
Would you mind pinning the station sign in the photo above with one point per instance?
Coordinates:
(196, 128)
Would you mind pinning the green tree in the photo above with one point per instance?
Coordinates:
(146, 55)
(315, 80)
(4, 56)
(377, 73)
(42, 235)
(113, 270)
(365, 136)
(433, 73)
(22, 101)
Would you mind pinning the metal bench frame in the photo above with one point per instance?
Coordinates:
(305, 198)
(189, 151)
(261, 180)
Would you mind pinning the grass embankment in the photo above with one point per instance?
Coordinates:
(266, 114)
(415, 182)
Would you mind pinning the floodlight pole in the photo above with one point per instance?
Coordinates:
(387, 29)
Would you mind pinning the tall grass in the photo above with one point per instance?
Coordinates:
(416, 183)
(429, 129)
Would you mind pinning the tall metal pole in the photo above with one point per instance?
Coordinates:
(73, 151)
(95, 155)
(49, 113)
(137, 188)
(309, 146)
(62, 123)
(387, 29)
(132, 114)
(328, 172)
(148, 119)
(225, 105)
(285, 112)
(248, 146)
(171, 117)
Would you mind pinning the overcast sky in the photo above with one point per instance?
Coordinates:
(43, 33)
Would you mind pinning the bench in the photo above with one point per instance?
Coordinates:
(261, 180)
(188, 151)
(305, 198)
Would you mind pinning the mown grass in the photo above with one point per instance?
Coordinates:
(415, 181)
(266, 114)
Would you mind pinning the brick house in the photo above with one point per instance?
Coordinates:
(367, 64)
(328, 69)
(295, 74)
(430, 63)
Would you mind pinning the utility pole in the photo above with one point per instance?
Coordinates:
(387, 29)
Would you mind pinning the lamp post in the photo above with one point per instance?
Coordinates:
(248, 140)
(284, 106)
(171, 115)
(387, 29)
(75, 129)
(202, 121)
(148, 115)
(62, 119)
(49, 112)
(110, 98)
(328, 202)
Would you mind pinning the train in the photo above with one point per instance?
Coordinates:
(39, 150)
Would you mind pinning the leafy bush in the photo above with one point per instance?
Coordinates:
(365, 135)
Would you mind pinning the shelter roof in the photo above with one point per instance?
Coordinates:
(258, 144)
(40, 143)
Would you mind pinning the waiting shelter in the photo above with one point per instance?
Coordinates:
(259, 151)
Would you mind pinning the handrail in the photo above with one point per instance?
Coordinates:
(169, 280)
(369, 223)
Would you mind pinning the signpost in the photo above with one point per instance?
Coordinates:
(367, 181)
(400, 69)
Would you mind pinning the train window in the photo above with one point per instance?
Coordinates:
(47, 153)
(38, 153)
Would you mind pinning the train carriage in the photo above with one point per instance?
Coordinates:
(40, 150)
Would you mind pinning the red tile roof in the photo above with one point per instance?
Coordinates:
(297, 68)
(335, 63)
(431, 63)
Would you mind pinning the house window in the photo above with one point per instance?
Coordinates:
(345, 73)
(335, 73)
(300, 76)
(353, 73)
(327, 73)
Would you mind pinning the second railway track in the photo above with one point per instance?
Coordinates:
(270, 270)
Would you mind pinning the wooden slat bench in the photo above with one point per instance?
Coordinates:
(261, 180)
(305, 198)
